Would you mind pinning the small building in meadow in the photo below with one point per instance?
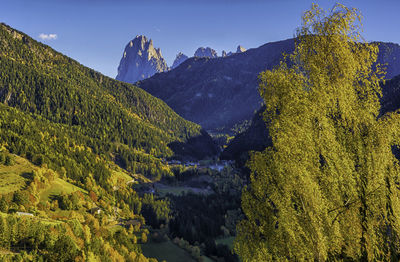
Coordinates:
(95, 211)
(24, 214)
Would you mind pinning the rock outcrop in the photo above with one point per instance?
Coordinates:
(180, 58)
(205, 52)
(240, 49)
(140, 60)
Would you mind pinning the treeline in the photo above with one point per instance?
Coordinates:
(198, 217)
(6, 159)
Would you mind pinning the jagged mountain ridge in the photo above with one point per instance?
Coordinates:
(217, 92)
(179, 59)
(220, 92)
(239, 49)
(140, 60)
(205, 52)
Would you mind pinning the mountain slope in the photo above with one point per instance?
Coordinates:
(256, 138)
(389, 53)
(221, 92)
(179, 59)
(75, 125)
(217, 92)
(390, 100)
(37, 79)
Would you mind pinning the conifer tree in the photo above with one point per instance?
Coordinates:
(328, 187)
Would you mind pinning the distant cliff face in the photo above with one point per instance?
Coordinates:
(180, 58)
(140, 60)
(206, 52)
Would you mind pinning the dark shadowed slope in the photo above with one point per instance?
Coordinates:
(221, 92)
(217, 92)
(390, 100)
(256, 138)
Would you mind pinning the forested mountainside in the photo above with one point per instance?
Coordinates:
(39, 80)
(221, 92)
(72, 145)
(256, 138)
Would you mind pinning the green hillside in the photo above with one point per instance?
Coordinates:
(72, 141)
(42, 213)
(12, 176)
(121, 122)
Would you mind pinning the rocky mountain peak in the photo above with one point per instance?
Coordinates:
(206, 52)
(140, 60)
(240, 49)
(180, 58)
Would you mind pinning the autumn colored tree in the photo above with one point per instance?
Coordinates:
(93, 196)
(328, 187)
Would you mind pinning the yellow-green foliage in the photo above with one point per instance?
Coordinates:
(327, 189)
(72, 240)
(11, 178)
(58, 187)
(120, 176)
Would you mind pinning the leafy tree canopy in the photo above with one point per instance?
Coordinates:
(327, 188)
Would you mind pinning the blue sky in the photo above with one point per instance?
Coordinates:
(95, 32)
